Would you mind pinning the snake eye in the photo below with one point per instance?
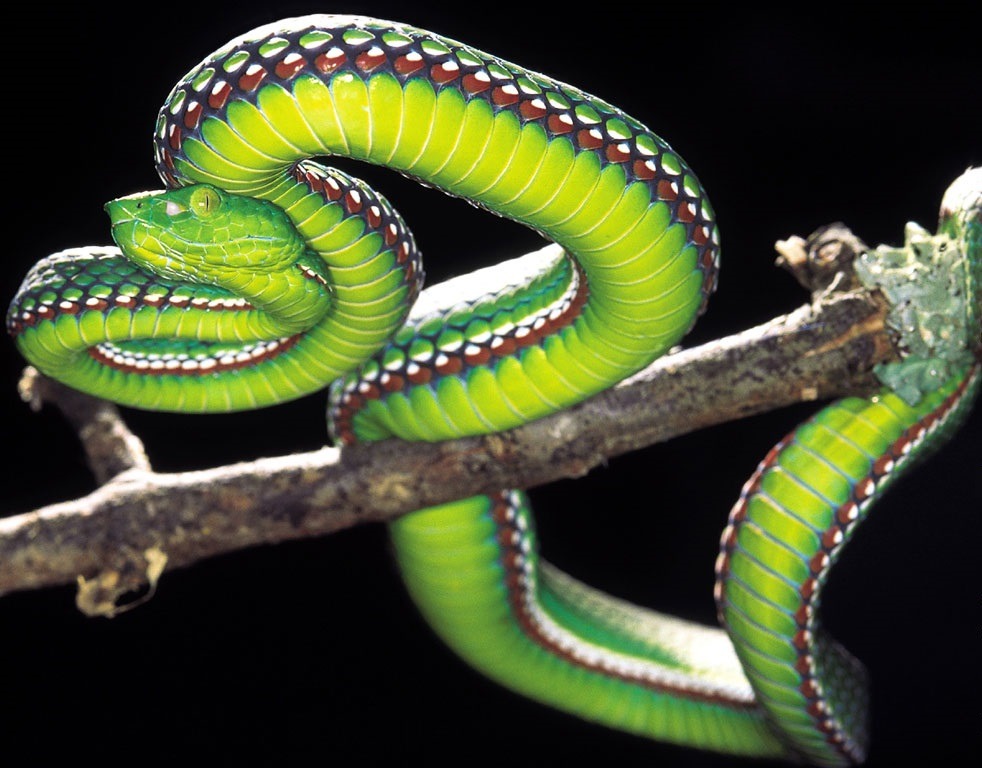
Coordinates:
(204, 201)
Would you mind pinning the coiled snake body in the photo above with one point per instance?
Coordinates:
(263, 276)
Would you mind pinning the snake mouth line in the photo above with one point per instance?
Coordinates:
(196, 360)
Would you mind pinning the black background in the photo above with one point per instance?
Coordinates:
(311, 651)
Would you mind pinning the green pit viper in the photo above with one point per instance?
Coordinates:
(260, 276)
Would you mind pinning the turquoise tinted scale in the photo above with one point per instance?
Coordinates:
(619, 200)
(792, 520)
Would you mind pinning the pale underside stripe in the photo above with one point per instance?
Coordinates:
(625, 665)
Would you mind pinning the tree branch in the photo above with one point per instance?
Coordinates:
(121, 537)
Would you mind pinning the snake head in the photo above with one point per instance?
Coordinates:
(203, 234)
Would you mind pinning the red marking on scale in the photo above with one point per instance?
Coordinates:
(686, 212)
(368, 60)
(173, 138)
(290, 65)
(474, 84)
(668, 191)
(252, 78)
(441, 73)
(477, 355)
(644, 170)
(556, 124)
(532, 109)
(220, 92)
(617, 153)
(589, 138)
(392, 382)
(330, 61)
(447, 365)
(408, 64)
(352, 201)
(192, 115)
(505, 96)
(419, 375)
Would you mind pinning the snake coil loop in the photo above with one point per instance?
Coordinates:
(261, 275)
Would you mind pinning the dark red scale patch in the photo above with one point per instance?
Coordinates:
(330, 61)
(531, 111)
(616, 153)
(368, 60)
(450, 365)
(643, 171)
(808, 588)
(832, 537)
(847, 513)
(219, 94)
(557, 125)
(480, 356)
(667, 191)
(421, 375)
(174, 139)
(252, 78)
(440, 74)
(589, 139)
(803, 615)
(192, 115)
(288, 69)
(507, 347)
(504, 97)
(352, 202)
(817, 710)
(393, 383)
(405, 65)
(473, 84)
(883, 465)
(686, 212)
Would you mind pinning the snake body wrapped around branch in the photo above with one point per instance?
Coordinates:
(262, 276)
